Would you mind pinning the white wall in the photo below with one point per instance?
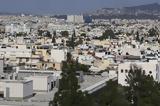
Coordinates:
(146, 66)
(16, 28)
(75, 18)
(15, 52)
(41, 83)
(100, 54)
(17, 89)
(58, 55)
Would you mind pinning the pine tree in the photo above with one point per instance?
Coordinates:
(73, 39)
(71, 42)
(69, 93)
(142, 89)
(65, 34)
(54, 33)
(152, 32)
(108, 34)
(53, 39)
(112, 95)
(137, 37)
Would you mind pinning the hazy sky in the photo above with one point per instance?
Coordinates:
(64, 6)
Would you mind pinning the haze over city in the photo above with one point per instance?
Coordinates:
(65, 6)
(79, 53)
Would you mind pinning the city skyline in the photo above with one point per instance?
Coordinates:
(64, 6)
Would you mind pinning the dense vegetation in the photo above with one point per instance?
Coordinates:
(65, 34)
(69, 93)
(142, 90)
(108, 34)
(152, 32)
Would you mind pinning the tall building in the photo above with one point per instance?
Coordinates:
(75, 19)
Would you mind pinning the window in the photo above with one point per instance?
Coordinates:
(127, 53)
(121, 70)
(150, 72)
(27, 59)
(126, 71)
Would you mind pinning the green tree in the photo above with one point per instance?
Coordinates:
(40, 32)
(142, 40)
(80, 41)
(108, 34)
(112, 95)
(152, 32)
(137, 36)
(65, 33)
(48, 34)
(83, 34)
(69, 93)
(54, 33)
(53, 39)
(21, 34)
(69, 57)
(158, 40)
(142, 89)
(71, 43)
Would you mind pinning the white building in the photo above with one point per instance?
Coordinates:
(131, 51)
(60, 27)
(16, 89)
(86, 59)
(15, 55)
(152, 67)
(97, 32)
(59, 55)
(75, 19)
(12, 28)
(42, 83)
(17, 52)
(99, 54)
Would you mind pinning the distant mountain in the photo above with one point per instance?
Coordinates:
(148, 11)
(152, 9)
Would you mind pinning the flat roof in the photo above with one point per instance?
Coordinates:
(15, 81)
(40, 76)
(39, 71)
